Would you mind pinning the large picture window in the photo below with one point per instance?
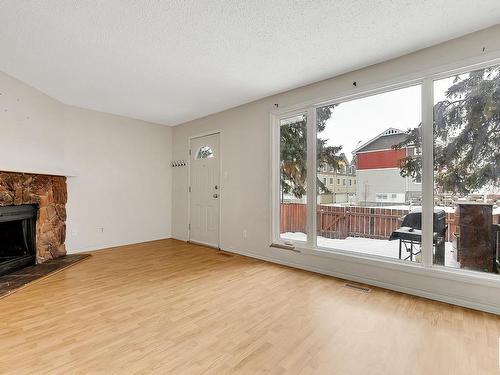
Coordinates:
(467, 170)
(371, 140)
(293, 178)
(409, 174)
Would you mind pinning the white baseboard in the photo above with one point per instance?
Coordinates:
(178, 238)
(112, 244)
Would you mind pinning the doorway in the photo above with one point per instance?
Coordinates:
(204, 190)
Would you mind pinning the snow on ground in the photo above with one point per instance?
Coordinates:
(369, 246)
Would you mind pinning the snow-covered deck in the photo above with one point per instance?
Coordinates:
(383, 248)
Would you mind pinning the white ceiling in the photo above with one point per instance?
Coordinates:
(173, 61)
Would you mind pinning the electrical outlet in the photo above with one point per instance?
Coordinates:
(244, 234)
(100, 229)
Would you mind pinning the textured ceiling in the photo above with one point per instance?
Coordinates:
(173, 61)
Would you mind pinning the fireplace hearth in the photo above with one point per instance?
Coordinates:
(17, 237)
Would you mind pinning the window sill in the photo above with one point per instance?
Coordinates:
(442, 272)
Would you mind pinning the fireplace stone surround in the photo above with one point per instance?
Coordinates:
(49, 194)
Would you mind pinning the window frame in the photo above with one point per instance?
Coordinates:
(426, 80)
(276, 178)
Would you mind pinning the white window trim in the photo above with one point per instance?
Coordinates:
(426, 80)
(427, 182)
(275, 178)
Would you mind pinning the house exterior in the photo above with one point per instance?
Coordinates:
(341, 183)
(378, 178)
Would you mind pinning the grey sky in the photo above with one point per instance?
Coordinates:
(357, 121)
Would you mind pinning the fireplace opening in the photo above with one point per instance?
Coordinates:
(17, 237)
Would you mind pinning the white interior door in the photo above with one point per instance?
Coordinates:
(205, 190)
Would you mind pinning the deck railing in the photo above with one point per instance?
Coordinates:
(352, 221)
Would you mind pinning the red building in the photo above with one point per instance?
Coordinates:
(379, 181)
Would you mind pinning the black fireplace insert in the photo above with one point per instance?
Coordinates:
(17, 237)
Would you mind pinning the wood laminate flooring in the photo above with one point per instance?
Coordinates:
(167, 307)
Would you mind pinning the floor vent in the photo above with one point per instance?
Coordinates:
(358, 287)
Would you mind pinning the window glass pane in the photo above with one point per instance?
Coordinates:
(467, 170)
(204, 152)
(293, 176)
(371, 141)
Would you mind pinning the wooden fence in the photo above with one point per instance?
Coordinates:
(351, 221)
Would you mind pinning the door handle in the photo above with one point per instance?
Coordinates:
(216, 195)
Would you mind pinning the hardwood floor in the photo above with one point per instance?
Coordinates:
(166, 307)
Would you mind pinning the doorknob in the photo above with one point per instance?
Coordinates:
(216, 195)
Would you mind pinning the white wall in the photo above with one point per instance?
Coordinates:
(245, 195)
(122, 167)
(387, 180)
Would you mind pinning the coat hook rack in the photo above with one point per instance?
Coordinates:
(178, 163)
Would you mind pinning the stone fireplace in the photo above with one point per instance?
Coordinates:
(46, 197)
